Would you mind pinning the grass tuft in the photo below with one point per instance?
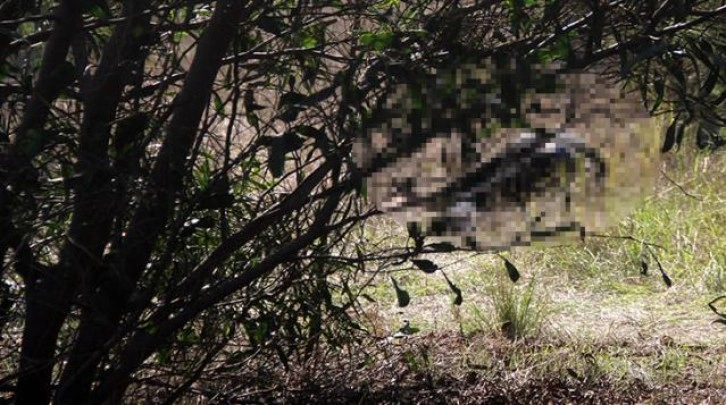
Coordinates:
(517, 311)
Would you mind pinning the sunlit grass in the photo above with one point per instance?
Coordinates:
(595, 292)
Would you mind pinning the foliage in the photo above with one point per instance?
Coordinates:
(178, 196)
(518, 312)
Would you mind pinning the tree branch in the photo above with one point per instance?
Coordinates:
(144, 343)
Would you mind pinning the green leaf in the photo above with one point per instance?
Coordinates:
(512, 271)
(361, 187)
(163, 355)
(253, 120)
(721, 98)
(270, 25)
(427, 266)
(320, 96)
(179, 36)
(367, 38)
(458, 298)
(97, 11)
(402, 296)
(290, 113)
(308, 42)
(250, 103)
(276, 159)
(187, 336)
(368, 298)
(710, 82)
(441, 247)
(309, 131)
(218, 105)
(293, 103)
(27, 28)
(667, 280)
(292, 141)
(670, 137)
(379, 41)
(291, 98)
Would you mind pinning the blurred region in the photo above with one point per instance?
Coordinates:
(508, 154)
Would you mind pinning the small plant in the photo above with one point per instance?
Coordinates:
(516, 310)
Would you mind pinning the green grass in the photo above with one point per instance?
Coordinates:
(517, 310)
(593, 295)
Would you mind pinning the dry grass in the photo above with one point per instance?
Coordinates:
(599, 331)
(447, 367)
(608, 320)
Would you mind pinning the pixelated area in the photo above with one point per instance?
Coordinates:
(506, 156)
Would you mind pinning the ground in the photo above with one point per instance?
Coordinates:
(586, 323)
(478, 369)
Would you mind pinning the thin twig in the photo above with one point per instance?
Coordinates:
(683, 190)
